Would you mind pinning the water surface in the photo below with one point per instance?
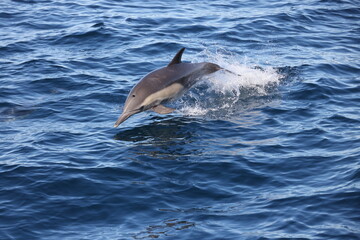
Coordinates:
(273, 154)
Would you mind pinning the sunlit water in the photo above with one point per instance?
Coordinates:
(269, 151)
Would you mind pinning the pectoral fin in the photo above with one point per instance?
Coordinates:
(162, 109)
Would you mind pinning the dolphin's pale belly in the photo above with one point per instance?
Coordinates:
(169, 92)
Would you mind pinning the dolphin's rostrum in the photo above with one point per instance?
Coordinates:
(163, 85)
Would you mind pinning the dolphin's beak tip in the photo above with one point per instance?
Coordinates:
(123, 117)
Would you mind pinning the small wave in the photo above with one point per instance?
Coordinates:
(15, 47)
(88, 33)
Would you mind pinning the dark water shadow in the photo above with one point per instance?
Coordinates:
(164, 229)
(170, 137)
(11, 112)
(161, 129)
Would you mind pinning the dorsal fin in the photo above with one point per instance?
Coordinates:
(177, 58)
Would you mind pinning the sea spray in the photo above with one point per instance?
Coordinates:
(226, 93)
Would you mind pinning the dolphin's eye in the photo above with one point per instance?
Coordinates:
(133, 95)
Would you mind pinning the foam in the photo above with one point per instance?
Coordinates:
(224, 92)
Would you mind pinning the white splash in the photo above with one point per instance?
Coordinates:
(224, 92)
(250, 75)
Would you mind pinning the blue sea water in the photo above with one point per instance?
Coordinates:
(271, 154)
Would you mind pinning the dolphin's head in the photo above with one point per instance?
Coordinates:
(133, 105)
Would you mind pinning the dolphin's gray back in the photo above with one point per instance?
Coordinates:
(184, 73)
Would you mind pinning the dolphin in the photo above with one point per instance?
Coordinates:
(163, 85)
